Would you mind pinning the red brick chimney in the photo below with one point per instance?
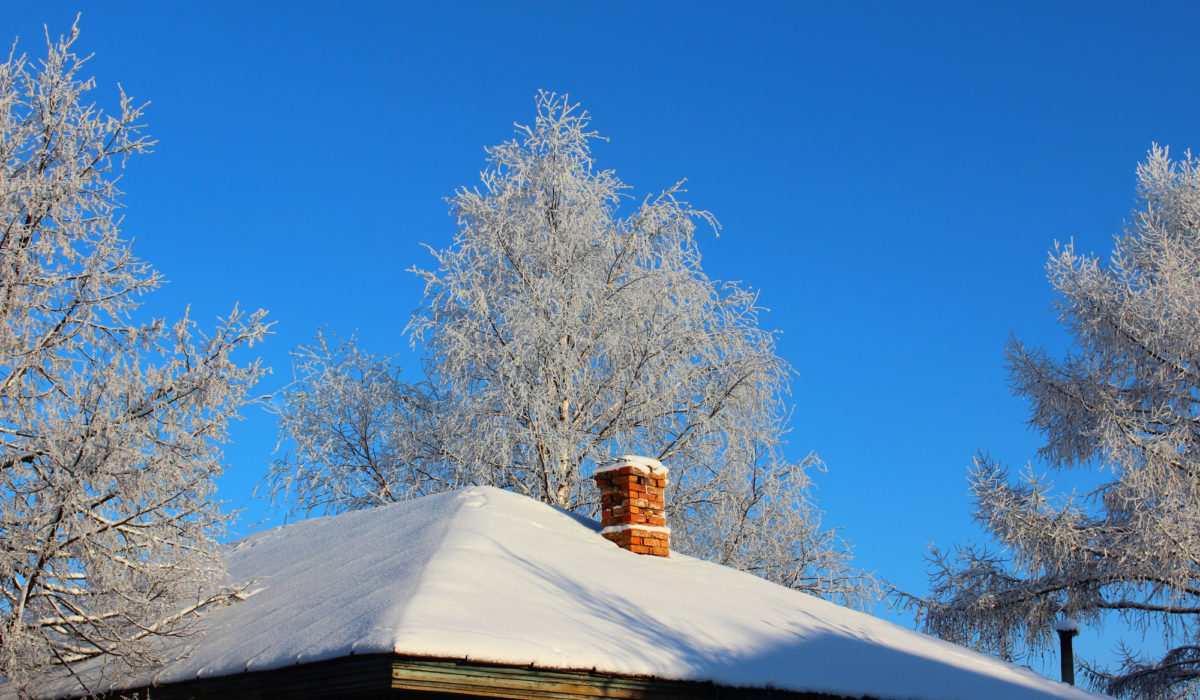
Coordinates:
(632, 504)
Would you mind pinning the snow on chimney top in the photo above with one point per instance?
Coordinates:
(632, 504)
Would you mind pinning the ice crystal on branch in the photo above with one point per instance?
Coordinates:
(559, 333)
(1126, 403)
(108, 428)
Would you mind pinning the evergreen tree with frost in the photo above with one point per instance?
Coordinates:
(559, 333)
(1126, 404)
(108, 427)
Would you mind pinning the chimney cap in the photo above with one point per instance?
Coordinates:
(646, 465)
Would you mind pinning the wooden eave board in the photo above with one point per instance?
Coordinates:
(396, 676)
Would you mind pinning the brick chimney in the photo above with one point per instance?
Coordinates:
(632, 504)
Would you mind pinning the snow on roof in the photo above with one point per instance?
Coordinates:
(491, 576)
(646, 465)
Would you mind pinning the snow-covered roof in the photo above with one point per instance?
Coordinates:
(487, 575)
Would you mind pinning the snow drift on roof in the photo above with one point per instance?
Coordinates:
(491, 576)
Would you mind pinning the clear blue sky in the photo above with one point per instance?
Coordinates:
(890, 176)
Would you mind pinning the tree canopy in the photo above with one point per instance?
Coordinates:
(1124, 404)
(559, 331)
(109, 428)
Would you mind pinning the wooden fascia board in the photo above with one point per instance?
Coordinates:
(473, 678)
(393, 675)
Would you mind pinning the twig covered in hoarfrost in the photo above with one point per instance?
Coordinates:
(108, 428)
(1126, 402)
(557, 335)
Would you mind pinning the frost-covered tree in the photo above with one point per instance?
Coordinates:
(1126, 404)
(360, 436)
(108, 427)
(559, 333)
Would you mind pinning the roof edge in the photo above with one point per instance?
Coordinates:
(372, 675)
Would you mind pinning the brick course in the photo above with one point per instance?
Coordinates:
(631, 495)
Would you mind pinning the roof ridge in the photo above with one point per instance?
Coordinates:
(461, 498)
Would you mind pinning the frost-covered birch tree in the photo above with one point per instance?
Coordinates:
(108, 427)
(559, 331)
(1127, 405)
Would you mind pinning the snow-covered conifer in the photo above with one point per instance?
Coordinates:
(108, 428)
(1125, 404)
(559, 333)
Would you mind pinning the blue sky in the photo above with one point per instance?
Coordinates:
(890, 177)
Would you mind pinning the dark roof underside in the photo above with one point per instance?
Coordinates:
(394, 676)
